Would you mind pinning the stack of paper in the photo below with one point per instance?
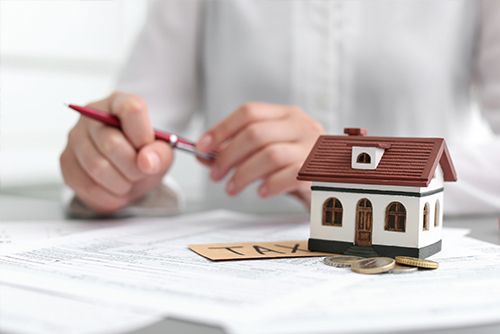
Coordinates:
(139, 270)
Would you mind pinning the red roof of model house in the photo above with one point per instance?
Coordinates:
(405, 161)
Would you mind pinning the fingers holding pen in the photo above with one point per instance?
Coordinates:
(110, 168)
(246, 114)
(283, 181)
(90, 192)
(256, 136)
(113, 145)
(262, 141)
(132, 112)
(155, 158)
(262, 165)
(96, 165)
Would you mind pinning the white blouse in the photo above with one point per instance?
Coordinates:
(397, 68)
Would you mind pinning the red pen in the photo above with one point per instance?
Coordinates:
(174, 140)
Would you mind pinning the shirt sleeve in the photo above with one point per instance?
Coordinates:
(164, 66)
(478, 188)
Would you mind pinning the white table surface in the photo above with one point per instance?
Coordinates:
(41, 202)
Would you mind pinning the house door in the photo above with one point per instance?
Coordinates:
(364, 219)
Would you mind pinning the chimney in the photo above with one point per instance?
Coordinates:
(355, 131)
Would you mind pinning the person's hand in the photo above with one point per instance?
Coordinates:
(107, 168)
(262, 141)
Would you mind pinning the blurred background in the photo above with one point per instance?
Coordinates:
(56, 52)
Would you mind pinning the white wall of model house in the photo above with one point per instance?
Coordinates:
(414, 236)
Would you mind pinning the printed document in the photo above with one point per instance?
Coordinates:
(144, 267)
(21, 234)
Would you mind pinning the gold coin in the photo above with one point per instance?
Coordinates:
(374, 265)
(402, 269)
(341, 260)
(416, 262)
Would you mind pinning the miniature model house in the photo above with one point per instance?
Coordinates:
(377, 195)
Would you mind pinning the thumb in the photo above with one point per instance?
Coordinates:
(155, 158)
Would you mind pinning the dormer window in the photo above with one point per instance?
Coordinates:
(364, 158)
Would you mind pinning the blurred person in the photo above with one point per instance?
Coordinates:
(269, 77)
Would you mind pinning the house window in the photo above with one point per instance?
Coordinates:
(395, 217)
(436, 214)
(332, 212)
(364, 158)
(426, 217)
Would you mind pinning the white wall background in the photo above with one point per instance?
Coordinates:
(51, 53)
(55, 52)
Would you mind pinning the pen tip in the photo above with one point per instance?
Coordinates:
(66, 104)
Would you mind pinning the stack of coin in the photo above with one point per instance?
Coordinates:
(402, 269)
(416, 262)
(373, 265)
(377, 265)
(341, 260)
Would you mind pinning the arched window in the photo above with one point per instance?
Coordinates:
(436, 214)
(395, 217)
(364, 203)
(332, 212)
(426, 217)
(364, 158)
